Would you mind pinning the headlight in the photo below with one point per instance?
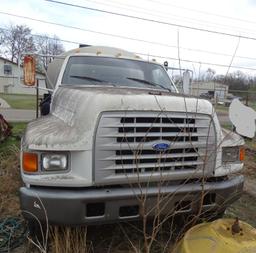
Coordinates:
(53, 162)
(232, 154)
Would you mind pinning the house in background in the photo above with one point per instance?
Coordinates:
(214, 90)
(9, 79)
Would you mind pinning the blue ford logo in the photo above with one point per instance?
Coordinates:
(161, 146)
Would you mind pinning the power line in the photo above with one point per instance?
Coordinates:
(46, 36)
(166, 45)
(233, 57)
(215, 53)
(118, 36)
(198, 62)
(122, 37)
(82, 29)
(203, 12)
(129, 38)
(156, 56)
(154, 21)
(151, 12)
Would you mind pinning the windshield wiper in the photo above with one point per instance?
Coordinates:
(93, 79)
(87, 78)
(148, 82)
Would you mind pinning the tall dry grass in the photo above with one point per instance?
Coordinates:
(159, 233)
(10, 182)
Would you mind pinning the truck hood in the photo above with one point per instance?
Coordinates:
(75, 112)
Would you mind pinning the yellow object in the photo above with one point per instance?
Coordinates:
(218, 237)
(242, 153)
(30, 162)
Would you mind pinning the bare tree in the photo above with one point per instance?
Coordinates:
(48, 47)
(15, 40)
(209, 74)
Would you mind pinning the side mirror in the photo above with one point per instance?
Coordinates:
(29, 70)
(45, 108)
(45, 104)
(166, 65)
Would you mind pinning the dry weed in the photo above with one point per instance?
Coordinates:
(10, 182)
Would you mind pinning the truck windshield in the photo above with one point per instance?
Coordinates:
(89, 70)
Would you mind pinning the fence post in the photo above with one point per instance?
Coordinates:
(247, 98)
(37, 97)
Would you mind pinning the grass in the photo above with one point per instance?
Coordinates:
(108, 238)
(227, 126)
(251, 143)
(10, 172)
(14, 139)
(221, 108)
(244, 209)
(252, 104)
(20, 101)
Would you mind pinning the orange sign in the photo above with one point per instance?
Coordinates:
(29, 70)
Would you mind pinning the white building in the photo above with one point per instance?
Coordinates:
(9, 79)
(216, 90)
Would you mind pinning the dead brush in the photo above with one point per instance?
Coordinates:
(67, 240)
(10, 181)
(250, 160)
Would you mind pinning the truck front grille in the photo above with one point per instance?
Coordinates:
(125, 141)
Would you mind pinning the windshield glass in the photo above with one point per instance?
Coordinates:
(89, 70)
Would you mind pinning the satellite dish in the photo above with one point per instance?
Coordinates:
(243, 118)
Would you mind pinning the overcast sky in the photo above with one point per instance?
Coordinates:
(228, 16)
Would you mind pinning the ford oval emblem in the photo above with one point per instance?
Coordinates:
(163, 146)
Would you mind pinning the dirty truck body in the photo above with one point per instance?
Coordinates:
(119, 130)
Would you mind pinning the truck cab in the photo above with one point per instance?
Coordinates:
(120, 141)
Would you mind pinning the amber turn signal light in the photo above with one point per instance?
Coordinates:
(30, 162)
(242, 153)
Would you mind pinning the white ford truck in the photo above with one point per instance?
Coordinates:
(117, 126)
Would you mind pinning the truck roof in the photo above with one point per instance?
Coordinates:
(100, 50)
(55, 66)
